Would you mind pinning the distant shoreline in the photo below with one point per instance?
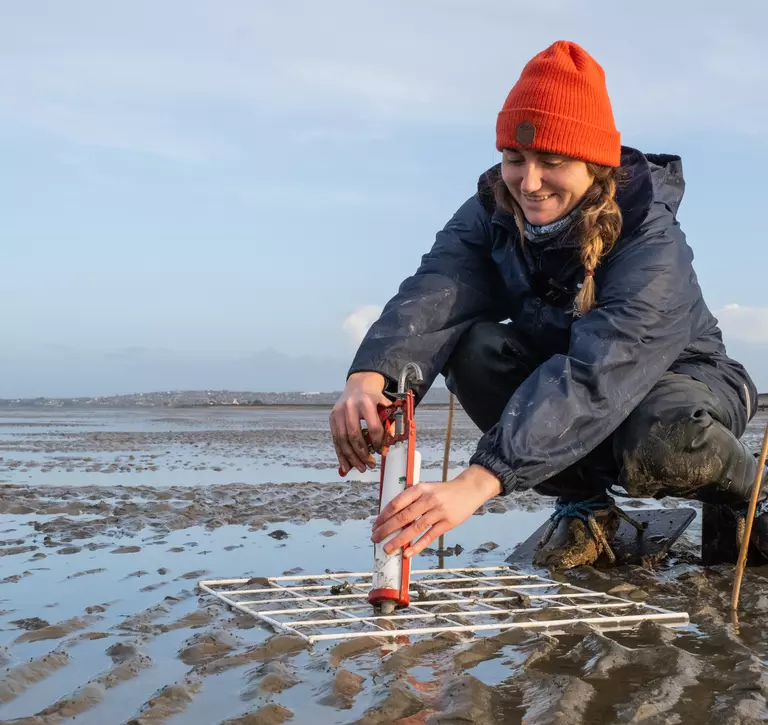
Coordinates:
(202, 406)
(196, 399)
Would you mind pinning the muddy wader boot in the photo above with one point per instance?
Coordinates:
(760, 529)
(580, 533)
(722, 529)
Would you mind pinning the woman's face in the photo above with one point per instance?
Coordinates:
(546, 186)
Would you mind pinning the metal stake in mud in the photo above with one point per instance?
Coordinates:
(446, 456)
(400, 467)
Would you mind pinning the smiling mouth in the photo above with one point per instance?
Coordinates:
(537, 199)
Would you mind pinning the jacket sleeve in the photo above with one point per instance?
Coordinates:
(618, 351)
(455, 285)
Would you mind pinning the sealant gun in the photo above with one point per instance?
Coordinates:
(400, 469)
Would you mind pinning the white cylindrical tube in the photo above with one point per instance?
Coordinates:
(388, 568)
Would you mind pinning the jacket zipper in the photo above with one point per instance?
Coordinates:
(537, 307)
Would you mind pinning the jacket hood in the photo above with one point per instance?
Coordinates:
(647, 178)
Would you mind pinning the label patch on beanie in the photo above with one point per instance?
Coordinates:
(525, 133)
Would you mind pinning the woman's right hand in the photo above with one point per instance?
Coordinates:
(362, 395)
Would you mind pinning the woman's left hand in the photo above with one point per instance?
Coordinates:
(432, 509)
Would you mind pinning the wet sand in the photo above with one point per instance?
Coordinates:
(110, 518)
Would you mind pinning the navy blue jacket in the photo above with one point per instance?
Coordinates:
(650, 318)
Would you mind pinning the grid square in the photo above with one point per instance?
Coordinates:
(484, 600)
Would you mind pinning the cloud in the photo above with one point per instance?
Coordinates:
(358, 322)
(744, 324)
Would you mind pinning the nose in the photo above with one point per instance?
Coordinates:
(531, 181)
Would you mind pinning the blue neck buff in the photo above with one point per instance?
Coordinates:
(543, 232)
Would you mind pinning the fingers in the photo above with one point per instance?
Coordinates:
(409, 533)
(337, 435)
(398, 503)
(401, 519)
(370, 411)
(434, 533)
(354, 438)
(342, 443)
(375, 429)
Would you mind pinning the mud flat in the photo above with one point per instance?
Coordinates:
(101, 623)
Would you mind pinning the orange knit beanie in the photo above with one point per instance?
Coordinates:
(560, 104)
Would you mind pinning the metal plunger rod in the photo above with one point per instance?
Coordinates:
(446, 455)
(748, 524)
(410, 370)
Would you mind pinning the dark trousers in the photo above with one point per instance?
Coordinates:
(675, 442)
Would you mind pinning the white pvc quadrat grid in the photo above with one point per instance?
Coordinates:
(478, 599)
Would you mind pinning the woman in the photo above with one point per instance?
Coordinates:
(611, 369)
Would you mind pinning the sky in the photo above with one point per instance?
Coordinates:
(223, 194)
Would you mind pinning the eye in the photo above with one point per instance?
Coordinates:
(516, 159)
(553, 163)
